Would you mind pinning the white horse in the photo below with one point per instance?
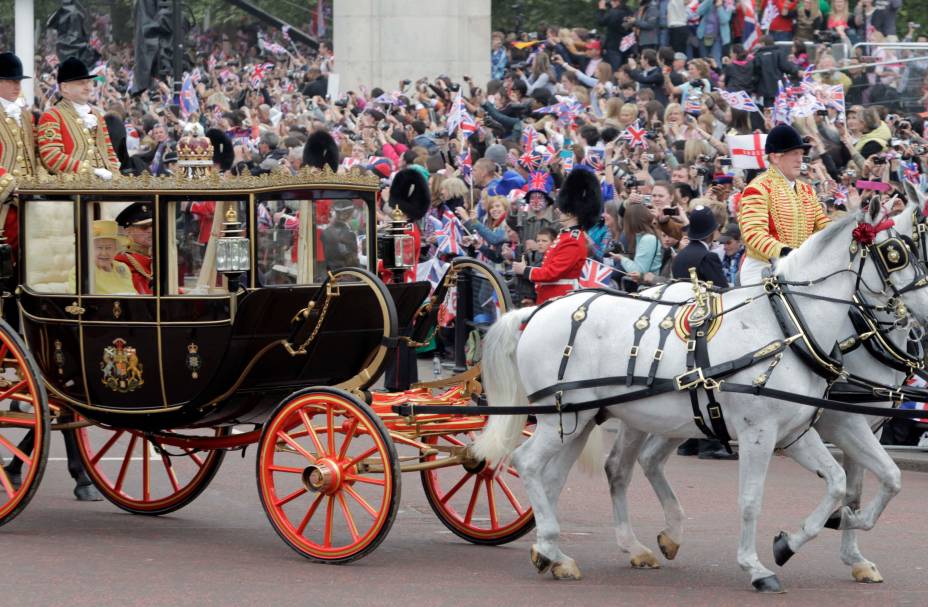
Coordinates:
(851, 433)
(518, 364)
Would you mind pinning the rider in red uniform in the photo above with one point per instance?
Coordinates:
(580, 204)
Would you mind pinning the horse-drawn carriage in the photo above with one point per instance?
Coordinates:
(265, 324)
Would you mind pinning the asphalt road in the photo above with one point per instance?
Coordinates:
(221, 550)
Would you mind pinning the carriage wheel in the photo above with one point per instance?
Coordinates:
(327, 475)
(476, 502)
(25, 409)
(142, 476)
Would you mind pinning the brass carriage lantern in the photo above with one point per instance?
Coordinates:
(404, 253)
(233, 250)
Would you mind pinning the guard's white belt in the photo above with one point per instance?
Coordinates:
(564, 281)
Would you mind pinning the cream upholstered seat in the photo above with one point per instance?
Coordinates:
(49, 245)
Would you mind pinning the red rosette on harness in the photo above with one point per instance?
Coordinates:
(865, 233)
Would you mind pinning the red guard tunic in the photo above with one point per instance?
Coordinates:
(561, 267)
(66, 145)
(17, 160)
(140, 266)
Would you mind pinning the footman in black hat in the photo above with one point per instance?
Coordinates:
(135, 220)
(702, 231)
(72, 136)
(778, 213)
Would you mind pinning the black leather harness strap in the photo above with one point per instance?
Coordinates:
(641, 327)
(666, 326)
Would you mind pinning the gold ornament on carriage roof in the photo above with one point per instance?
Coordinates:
(122, 371)
(194, 152)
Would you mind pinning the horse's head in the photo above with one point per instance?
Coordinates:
(888, 260)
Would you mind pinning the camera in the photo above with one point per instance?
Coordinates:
(341, 103)
(671, 211)
(443, 134)
(904, 125)
(616, 248)
(703, 170)
(383, 126)
(696, 84)
(825, 37)
(650, 157)
(407, 82)
(879, 159)
(725, 161)
(455, 87)
(647, 200)
(704, 158)
(921, 150)
(631, 182)
(850, 173)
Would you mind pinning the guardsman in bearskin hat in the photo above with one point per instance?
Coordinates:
(580, 204)
(72, 136)
(135, 220)
(17, 144)
(778, 212)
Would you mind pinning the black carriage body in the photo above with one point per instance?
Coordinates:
(189, 355)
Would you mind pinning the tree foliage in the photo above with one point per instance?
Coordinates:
(536, 15)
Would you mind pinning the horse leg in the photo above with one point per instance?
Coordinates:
(653, 458)
(861, 569)
(620, 466)
(809, 452)
(863, 451)
(543, 467)
(755, 447)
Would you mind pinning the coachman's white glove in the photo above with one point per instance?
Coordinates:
(103, 174)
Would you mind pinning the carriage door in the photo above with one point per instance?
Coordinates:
(119, 323)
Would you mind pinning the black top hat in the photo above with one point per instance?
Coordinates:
(72, 69)
(136, 214)
(702, 223)
(784, 138)
(11, 68)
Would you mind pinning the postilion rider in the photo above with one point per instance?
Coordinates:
(72, 136)
(136, 222)
(778, 212)
(579, 203)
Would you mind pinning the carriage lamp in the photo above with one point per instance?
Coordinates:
(404, 255)
(233, 250)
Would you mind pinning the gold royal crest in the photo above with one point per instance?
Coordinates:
(122, 371)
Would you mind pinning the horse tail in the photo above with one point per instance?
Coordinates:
(591, 458)
(500, 378)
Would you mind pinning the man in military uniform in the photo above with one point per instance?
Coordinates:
(72, 136)
(135, 220)
(579, 203)
(778, 212)
(339, 241)
(17, 146)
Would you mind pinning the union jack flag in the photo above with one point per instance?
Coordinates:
(634, 135)
(567, 109)
(259, 73)
(449, 237)
(739, 100)
(538, 182)
(693, 105)
(770, 13)
(466, 163)
(595, 275)
(529, 138)
(627, 42)
(189, 103)
(211, 63)
(911, 173)
(841, 196)
(750, 33)
(458, 117)
(595, 158)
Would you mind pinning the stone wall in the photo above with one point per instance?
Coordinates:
(380, 42)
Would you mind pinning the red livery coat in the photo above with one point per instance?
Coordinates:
(140, 266)
(67, 146)
(561, 267)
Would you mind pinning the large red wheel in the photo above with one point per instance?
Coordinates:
(328, 475)
(476, 502)
(24, 425)
(142, 476)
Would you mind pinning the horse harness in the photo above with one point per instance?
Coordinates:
(890, 256)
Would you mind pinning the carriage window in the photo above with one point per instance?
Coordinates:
(49, 240)
(119, 247)
(286, 252)
(195, 233)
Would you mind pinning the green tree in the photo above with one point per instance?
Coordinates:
(536, 15)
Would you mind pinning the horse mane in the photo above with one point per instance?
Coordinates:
(789, 264)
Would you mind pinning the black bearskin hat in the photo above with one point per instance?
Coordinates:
(223, 150)
(410, 191)
(321, 150)
(582, 197)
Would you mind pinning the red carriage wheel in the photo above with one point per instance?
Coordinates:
(476, 502)
(142, 476)
(328, 475)
(24, 425)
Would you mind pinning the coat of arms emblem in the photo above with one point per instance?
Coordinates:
(194, 361)
(122, 371)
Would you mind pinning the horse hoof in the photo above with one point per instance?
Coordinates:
(669, 548)
(866, 573)
(541, 562)
(769, 584)
(781, 550)
(834, 521)
(645, 561)
(566, 570)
